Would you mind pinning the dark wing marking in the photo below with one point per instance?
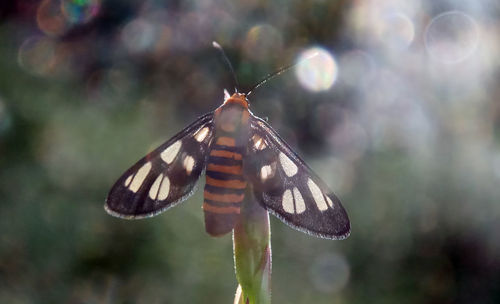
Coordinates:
(164, 177)
(288, 188)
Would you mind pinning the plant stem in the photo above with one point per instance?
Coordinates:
(252, 252)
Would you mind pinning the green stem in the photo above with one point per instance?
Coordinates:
(252, 252)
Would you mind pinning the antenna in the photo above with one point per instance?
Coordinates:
(217, 46)
(278, 72)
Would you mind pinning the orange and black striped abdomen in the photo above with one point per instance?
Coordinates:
(225, 185)
(224, 188)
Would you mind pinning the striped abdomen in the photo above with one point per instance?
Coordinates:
(225, 186)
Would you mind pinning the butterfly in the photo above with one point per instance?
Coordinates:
(238, 151)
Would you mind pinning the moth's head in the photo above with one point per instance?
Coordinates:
(236, 98)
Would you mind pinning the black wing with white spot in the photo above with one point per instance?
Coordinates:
(289, 189)
(164, 177)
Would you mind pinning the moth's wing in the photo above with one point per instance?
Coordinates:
(164, 177)
(289, 189)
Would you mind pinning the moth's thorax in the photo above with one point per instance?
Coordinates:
(237, 99)
(232, 116)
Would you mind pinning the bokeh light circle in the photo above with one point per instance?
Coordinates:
(36, 55)
(330, 273)
(261, 41)
(358, 68)
(80, 11)
(316, 69)
(50, 19)
(397, 31)
(451, 37)
(138, 35)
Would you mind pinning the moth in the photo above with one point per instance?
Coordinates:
(237, 150)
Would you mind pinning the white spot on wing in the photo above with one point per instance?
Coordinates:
(201, 134)
(153, 191)
(139, 177)
(287, 201)
(164, 188)
(188, 164)
(226, 95)
(170, 152)
(259, 143)
(265, 172)
(300, 206)
(287, 164)
(128, 180)
(329, 201)
(317, 195)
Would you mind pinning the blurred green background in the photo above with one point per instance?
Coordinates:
(399, 113)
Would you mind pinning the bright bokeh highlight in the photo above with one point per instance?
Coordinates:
(138, 35)
(317, 69)
(357, 67)
(263, 41)
(80, 11)
(50, 19)
(329, 273)
(36, 55)
(397, 30)
(57, 17)
(451, 37)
